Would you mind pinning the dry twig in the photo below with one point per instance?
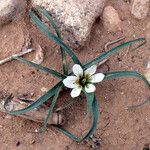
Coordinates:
(107, 47)
(15, 55)
(37, 115)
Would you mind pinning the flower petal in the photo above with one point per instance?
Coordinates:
(97, 78)
(89, 88)
(90, 71)
(76, 92)
(77, 70)
(70, 81)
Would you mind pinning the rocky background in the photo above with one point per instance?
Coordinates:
(74, 18)
(87, 26)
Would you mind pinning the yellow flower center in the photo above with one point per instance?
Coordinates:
(82, 81)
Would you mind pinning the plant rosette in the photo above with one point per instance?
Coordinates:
(83, 78)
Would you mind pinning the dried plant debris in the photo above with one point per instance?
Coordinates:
(15, 55)
(37, 115)
(107, 48)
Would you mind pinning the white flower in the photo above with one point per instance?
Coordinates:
(83, 79)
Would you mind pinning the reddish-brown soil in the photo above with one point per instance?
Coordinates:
(118, 128)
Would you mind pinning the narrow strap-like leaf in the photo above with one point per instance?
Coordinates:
(39, 67)
(112, 51)
(52, 106)
(51, 36)
(95, 111)
(117, 74)
(90, 98)
(34, 105)
(46, 14)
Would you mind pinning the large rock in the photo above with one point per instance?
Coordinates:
(140, 8)
(74, 17)
(11, 9)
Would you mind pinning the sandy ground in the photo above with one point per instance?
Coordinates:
(118, 128)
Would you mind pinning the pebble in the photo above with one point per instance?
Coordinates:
(140, 8)
(8, 117)
(36, 130)
(44, 89)
(10, 10)
(111, 19)
(39, 57)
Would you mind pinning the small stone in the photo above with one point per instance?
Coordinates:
(39, 57)
(32, 94)
(44, 89)
(36, 130)
(122, 93)
(11, 9)
(140, 8)
(8, 117)
(111, 19)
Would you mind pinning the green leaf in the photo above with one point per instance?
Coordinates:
(46, 14)
(39, 67)
(114, 50)
(95, 112)
(34, 105)
(90, 99)
(52, 105)
(117, 74)
(52, 37)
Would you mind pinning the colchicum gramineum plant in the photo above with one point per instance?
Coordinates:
(82, 79)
